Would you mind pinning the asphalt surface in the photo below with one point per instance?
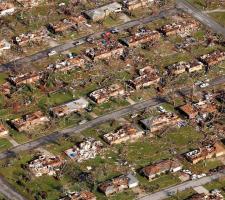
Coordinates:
(51, 138)
(163, 194)
(202, 17)
(8, 191)
(16, 64)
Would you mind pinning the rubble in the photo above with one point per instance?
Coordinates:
(29, 3)
(159, 122)
(134, 4)
(83, 195)
(205, 152)
(148, 77)
(124, 133)
(187, 43)
(29, 121)
(212, 196)
(5, 88)
(182, 28)
(6, 9)
(87, 149)
(66, 24)
(154, 170)
(27, 78)
(195, 66)
(178, 68)
(118, 184)
(202, 108)
(104, 94)
(3, 131)
(188, 111)
(181, 67)
(45, 165)
(105, 49)
(4, 45)
(31, 37)
(70, 107)
(213, 58)
(68, 64)
(143, 37)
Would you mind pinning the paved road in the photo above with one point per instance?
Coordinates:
(77, 129)
(202, 17)
(8, 191)
(163, 194)
(71, 44)
(51, 138)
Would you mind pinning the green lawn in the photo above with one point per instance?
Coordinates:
(3, 77)
(182, 195)
(219, 184)
(219, 17)
(201, 4)
(4, 144)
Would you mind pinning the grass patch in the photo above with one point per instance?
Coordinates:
(4, 144)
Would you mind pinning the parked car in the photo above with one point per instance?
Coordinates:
(90, 39)
(52, 53)
(79, 42)
(161, 109)
(114, 30)
(204, 85)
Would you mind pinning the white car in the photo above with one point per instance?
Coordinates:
(82, 122)
(198, 83)
(79, 42)
(161, 109)
(52, 53)
(204, 85)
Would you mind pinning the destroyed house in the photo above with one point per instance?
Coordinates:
(4, 45)
(27, 78)
(104, 94)
(83, 195)
(105, 49)
(221, 96)
(143, 37)
(205, 108)
(118, 184)
(205, 152)
(101, 13)
(201, 108)
(3, 131)
(31, 37)
(147, 70)
(164, 166)
(29, 121)
(6, 8)
(195, 66)
(5, 88)
(180, 28)
(68, 64)
(160, 122)
(45, 165)
(213, 58)
(211, 196)
(178, 68)
(134, 4)
(123, 134)
(87, 149)
(70, 107)
(66, 24)
(148, 77)
(188, 110)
